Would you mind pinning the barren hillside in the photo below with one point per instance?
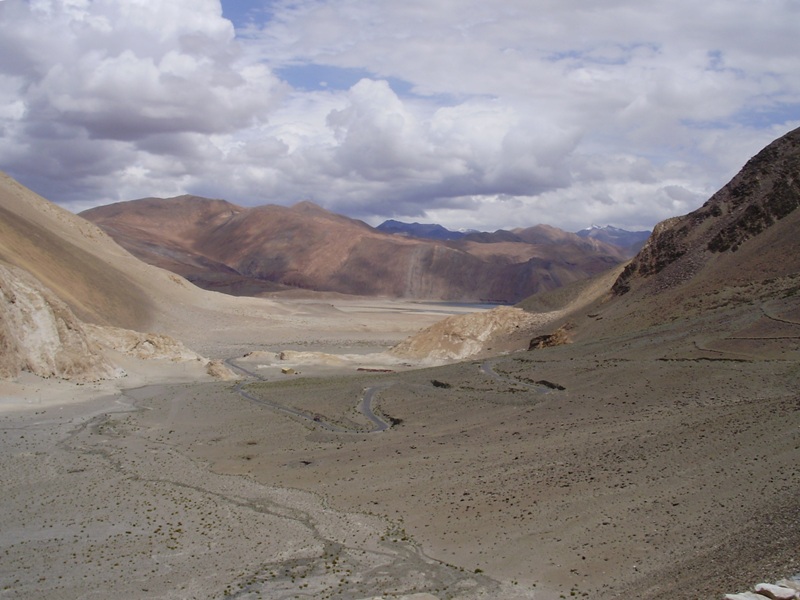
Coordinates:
(741, 249)
(59, 274)
(72, 257)
(249, 251)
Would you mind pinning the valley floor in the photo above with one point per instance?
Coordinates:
(658, 465)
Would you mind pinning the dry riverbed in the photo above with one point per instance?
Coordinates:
(661, 466)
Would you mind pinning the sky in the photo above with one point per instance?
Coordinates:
(471, 114)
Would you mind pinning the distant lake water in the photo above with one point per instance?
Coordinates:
(475, 305)
(458, 307)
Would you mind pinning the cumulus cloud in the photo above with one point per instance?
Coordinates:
(105, 87)
(468, 113)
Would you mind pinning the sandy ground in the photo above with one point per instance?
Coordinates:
(656, 465)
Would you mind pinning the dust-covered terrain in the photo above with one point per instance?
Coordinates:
(662, 466)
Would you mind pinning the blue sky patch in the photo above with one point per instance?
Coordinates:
(246, 12)
(758, 117)
(315, 77)
(764, 117)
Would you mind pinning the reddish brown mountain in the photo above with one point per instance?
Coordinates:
(239, 250)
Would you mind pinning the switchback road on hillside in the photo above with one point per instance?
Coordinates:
(540, 387)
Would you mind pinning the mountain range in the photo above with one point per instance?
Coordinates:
(739, 250)
(629, 241)
(250, 251)
(737, 254)
(645, 444)
(430, 231)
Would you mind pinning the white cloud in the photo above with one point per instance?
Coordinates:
(117, 79)
(471, 113)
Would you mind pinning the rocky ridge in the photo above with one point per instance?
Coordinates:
(763, 193)
(463, 336)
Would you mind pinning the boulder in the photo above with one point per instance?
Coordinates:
(218, 370)
(776, 592)
(557, 338)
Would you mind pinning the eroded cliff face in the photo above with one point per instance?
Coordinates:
(40, 334)
(764, 192)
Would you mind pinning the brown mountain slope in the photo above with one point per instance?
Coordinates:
(732, 266)
(100, 281)
(229, 248)
(733, 236)
(724, 278)
(71, 296)
(71, 257)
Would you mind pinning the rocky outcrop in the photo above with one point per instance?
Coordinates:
(787, 589)
(218, 370)
(664, 247)
(143, 346)
(764, 192)
(558, 338)
(41, 335)
(462, 336)
(155, 346)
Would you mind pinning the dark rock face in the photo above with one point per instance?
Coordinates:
(665, 246)
(765, 191)
(777, 203)
(549, 340)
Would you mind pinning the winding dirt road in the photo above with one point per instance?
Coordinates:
(487, 368)
(364, 406)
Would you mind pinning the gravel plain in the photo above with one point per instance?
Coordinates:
(662, 465)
